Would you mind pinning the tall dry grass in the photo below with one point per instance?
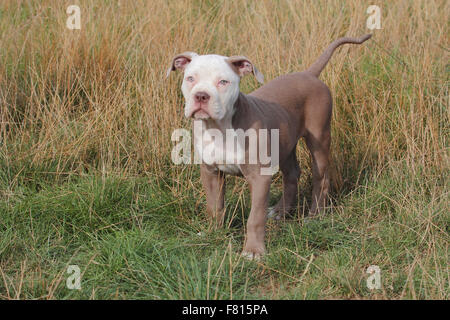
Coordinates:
(97, 97)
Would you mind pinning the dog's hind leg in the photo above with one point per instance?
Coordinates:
(319, 147)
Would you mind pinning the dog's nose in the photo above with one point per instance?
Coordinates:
(201, 97)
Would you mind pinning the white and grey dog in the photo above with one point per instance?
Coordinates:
(299, 105)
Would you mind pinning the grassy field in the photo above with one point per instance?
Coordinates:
(86, 176)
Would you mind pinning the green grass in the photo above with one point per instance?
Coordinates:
(133, 240)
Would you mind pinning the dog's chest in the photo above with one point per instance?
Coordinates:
(213, 148)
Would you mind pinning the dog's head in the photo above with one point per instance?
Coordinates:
(211, 83)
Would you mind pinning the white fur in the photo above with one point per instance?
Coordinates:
(207, 71)
(210, 144)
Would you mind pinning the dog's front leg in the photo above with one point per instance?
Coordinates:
(214, 185)
(254, 243)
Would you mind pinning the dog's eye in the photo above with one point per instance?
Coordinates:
(224, 82)
(190, 79)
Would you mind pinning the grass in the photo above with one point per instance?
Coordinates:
(86, 176)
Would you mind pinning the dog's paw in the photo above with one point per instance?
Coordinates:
(253, 251)
(273, 214)
(252, 256)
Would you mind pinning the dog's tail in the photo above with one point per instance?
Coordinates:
(321, 62)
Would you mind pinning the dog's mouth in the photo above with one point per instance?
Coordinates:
(201, 114)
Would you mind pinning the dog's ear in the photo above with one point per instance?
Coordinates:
(242, 66)
(180, 61)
